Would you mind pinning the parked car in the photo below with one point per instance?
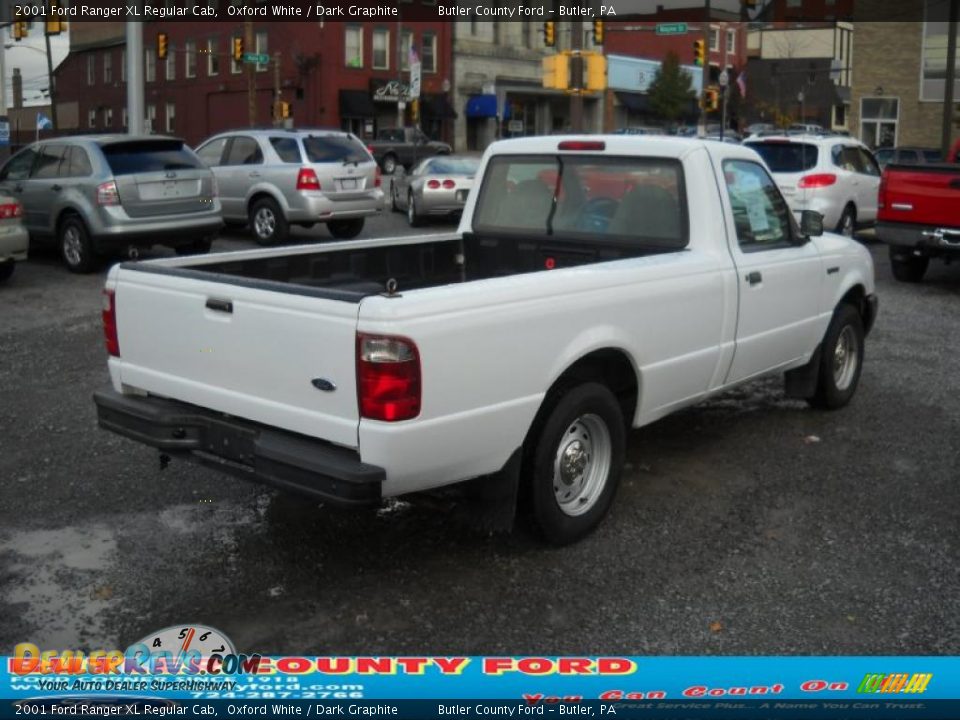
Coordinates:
(404, 146)
(907, 156)
(437, 186)
(728, 137)
(519, 349)
(14, 239)
(761, 128)
(836, 176)
(919, 214)
(805, 129)
(272, 179)
(640, 130)
(96, 194)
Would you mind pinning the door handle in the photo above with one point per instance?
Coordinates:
(18, 188)
(754, 277)
(56, 188)
(254, 175)
(225, 306)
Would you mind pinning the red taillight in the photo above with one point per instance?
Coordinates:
(378, 178)
(370, 150)
(882, 192)
(388, 378)
(817, 181)
(449, 184)
(307, 180)
(107, 193)
(433, 184)
(582, 145)
(11, 210)
(109, 316)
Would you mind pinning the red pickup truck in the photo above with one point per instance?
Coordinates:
(919, 214)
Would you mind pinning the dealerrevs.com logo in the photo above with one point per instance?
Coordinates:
(895, 683)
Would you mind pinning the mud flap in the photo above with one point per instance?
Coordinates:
(491, 500)
(801, 382)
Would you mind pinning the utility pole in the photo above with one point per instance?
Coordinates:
(400, 102)
(950, 80)
(705, 70)
(50, 82)
(135, 104)
(576, 68)
(277, 114)
(251, 74)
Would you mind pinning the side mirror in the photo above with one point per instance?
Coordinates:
(811, 223)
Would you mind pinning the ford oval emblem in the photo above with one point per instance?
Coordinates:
(323, 384)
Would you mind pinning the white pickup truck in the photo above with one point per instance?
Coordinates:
(595, 283)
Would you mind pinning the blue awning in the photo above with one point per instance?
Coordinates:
(482, 106)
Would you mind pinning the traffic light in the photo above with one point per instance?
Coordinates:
(162, 45)
(550, 33)
(54, 26)
(596, 71)
(699, 56)
(711, 99)
(598, 32)
(19, 31)
(284, 109)
(556, 71)
(237, 49)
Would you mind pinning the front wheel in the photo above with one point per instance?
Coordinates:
(576, 462)
(841, 360)
(76, 249)
(389, 164)
(345, 229)
(906, 266)
(413, 217)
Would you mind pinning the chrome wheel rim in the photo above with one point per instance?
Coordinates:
(72, 247)
(264, 223)
(846, 356)
(411, 213)
(847, 227)
(582, 464)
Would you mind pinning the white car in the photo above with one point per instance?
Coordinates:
(836, 176)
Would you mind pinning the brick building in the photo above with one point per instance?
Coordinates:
(333, 75)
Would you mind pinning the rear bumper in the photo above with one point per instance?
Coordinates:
(930, 239)
(318, 207)
(283, 459)
(117, 229)
(14, 243)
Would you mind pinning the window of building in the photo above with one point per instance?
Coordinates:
(171, 117)
(108, 118)
(381, 50)
(260, 40)
(91, 118)
(429, 56)
(108, 67)
(714, 40)
(934, 64)
(190, 58)
(731, 42)
(213, 59)
(91, 69)
(353, 46)
(879, 118)
(149, 65)
(170, 70)
(406, 42)
(151, 118)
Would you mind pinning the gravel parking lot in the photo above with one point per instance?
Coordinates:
(747, 525)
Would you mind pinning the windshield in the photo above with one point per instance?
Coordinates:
(786, 157)
(146, 156)
(635, 200)
(334, 148)
(453, 166)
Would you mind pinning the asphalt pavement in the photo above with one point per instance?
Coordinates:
(749, 524)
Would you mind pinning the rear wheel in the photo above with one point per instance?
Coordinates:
(267, 222)
(76, 249)
(345, 229)
(576, 462)
(841, 360)
(847, 225)
(906, 266)
(6, 270)
(389, 164)
(413, 217)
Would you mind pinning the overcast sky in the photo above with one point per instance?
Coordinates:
(32, 63)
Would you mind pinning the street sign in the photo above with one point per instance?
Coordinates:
(724, 79)
(256, 58)
(678, 28)
(415, 69)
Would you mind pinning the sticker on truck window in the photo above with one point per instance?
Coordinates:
(757, 212)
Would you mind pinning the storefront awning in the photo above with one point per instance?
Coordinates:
(356, 104)
(482, 106)
(436, 105)
(634, 102)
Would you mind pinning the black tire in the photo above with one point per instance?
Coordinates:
(6, 270)
(389, 163)
(413, 217)
(198, 247)
(847, 224)
(567, 423)
(906, 266)
(345, 229)
(394, 205)
(75, 246)
(834, 392)
(267, 222)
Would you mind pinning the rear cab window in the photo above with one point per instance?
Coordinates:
(335, 148)
(787, 157)
(147, 156)
(633, 201)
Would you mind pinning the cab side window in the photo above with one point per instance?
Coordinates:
(760, 213)
(19, 166)
(869, 164)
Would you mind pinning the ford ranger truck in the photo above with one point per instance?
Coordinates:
(919, 215)
(594, 284)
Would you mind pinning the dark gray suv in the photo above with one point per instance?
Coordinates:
(93, 195)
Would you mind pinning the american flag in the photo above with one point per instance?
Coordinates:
(742, 83)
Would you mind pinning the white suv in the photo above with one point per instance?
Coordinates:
(836, 176)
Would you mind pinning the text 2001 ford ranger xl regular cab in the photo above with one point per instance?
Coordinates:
(595, 283)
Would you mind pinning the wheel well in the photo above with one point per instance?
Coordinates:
(260, 196)
(64, 214)
(610, 367)
(857, 297)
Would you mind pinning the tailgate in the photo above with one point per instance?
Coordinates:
(248, 352)
(924, 196)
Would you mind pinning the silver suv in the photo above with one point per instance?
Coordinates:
(97, 194)
(272, 179)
